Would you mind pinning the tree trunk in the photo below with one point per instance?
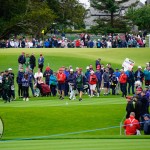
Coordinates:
(112, 19)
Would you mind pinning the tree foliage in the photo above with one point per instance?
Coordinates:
(140, 17)
(32, 16)
(113, 8)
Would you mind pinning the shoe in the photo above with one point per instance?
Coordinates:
(24, 99)
(80, 99)
(70, 98)
(74, 98)
(62, 98)
(27, 99)
(97, 94)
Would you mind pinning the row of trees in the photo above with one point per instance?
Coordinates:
(114, 22)
(32, 16)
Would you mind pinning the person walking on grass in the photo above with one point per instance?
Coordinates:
(25, 87)
(92, 81)
(79, 84)
(61, 77)
(106, 81)
(131, 125)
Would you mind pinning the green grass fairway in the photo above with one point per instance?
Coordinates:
(78, 144)
(48, 123)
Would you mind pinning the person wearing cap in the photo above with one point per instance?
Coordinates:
(41, 62)
(32, 61)
(47, 73)
(61, 77)
(99, 80)
(99, 44)
(12, 88)
(131, 125)
(92, 82)
(21, 60)
(123, 83)
(71, 82)
(146, 126)
(139, 75)
(147, 76)
(66, 72)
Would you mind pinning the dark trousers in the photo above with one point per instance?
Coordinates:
(20, 91)
(113, 89)
(41, 67)
(12, 93)
(98, 85)
(31, 86)
(6, 95)
(123, 87)
(131, 86)
(53, 90)
(25, 91)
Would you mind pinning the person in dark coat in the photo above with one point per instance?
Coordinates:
(19, 82)
(130, 106)
(98, 62)
(32, 62)
(41, 62)
(21, 60)
(47, 73)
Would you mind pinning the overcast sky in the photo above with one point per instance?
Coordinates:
(87, 3)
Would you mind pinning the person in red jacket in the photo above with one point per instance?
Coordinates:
(92, 82)
(123, 83)
(78, 43)
(61, 77)
(131, 125)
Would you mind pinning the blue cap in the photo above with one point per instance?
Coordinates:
(146, 115)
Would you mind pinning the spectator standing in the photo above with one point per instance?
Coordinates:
(123, 83)
(25, 87)
(61, 77)
(21, 60)
(41, 62)
(106, 81)
(139, 75)
(147, 76)
(19, 82)
(53, 83)
(32, 61)
(47, 73)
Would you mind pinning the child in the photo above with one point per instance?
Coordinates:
(114, 82)
(25, 87)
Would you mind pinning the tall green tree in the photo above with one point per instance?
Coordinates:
(24, 16)
(69, 12)
(140, 17)
(112, 6)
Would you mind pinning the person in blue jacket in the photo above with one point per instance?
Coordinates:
(53, 83)
(46, 44)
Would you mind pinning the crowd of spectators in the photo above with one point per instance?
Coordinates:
(69, 83)
(84, 41)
